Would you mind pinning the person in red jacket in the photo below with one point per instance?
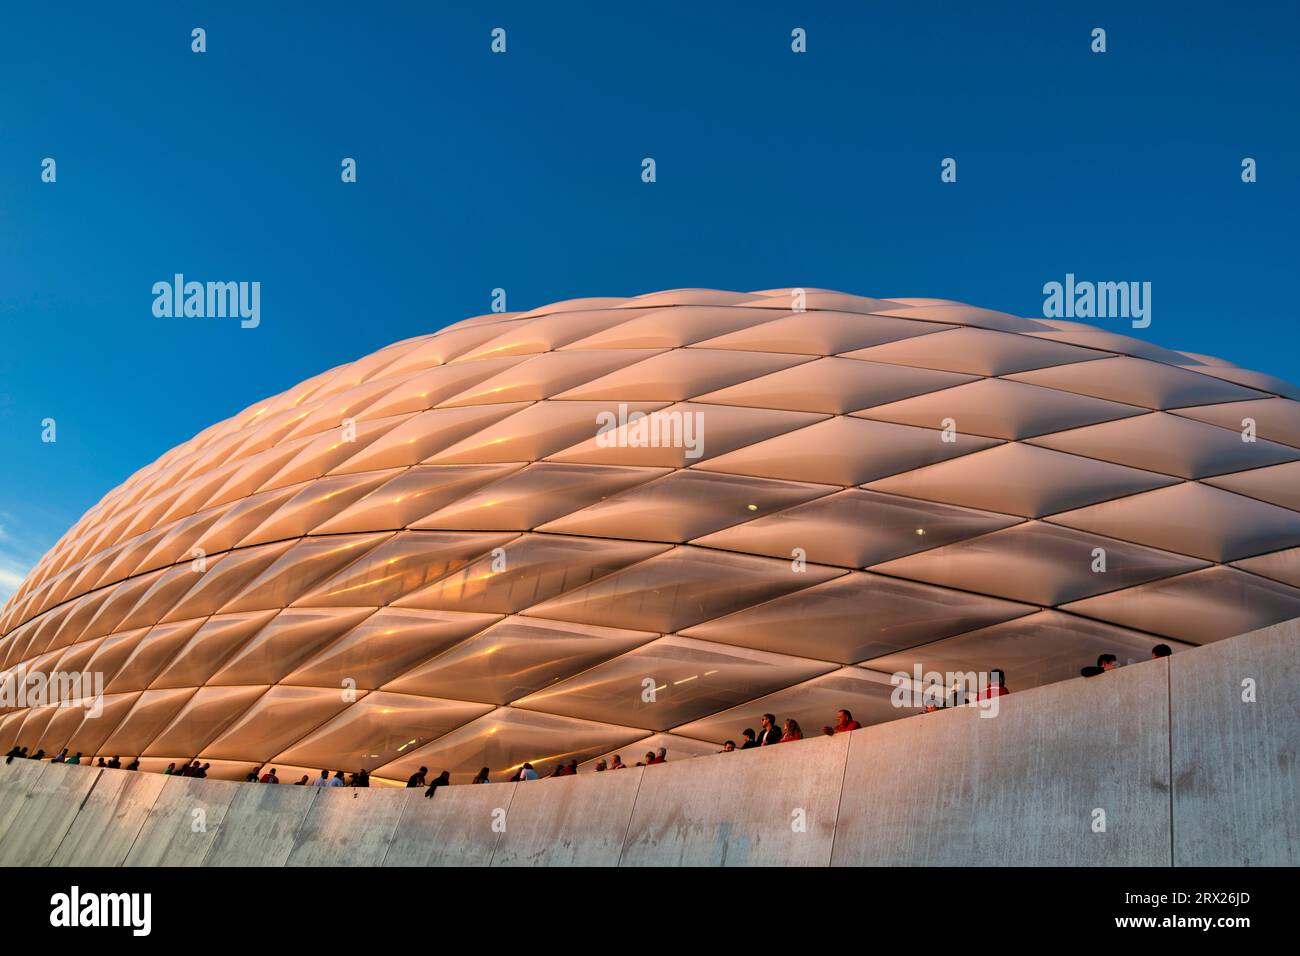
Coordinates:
(792, 732)
(997, 685)
(844, 722)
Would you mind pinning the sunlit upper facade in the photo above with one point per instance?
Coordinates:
(443, 554)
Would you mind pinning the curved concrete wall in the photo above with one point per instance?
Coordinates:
(1186, 761)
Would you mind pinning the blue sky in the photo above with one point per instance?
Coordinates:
(523, 171)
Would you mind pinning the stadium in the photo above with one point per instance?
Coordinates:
(457, 553)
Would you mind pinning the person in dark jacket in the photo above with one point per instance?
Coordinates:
(360, 779)
(771, 733)
(750, 740)
(417, 779)
(442, 780)
(1105, 662)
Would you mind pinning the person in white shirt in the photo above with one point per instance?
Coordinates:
(336, 780)
(323, 780)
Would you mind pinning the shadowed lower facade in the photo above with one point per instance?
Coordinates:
(470, 549)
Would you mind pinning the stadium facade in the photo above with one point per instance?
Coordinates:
(609, 525)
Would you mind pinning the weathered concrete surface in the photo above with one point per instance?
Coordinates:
(16, 780)
(110, 819)
(1236, 765)
(346, 827)
(183, 822)
(570, 821)
(776, 805)
(454, 828)
(1022, 788)
(47, 810)
(259, 826)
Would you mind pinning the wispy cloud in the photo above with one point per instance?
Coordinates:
(12, 574)
(20, 548)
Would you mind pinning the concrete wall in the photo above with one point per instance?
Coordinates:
(1236, 754)
(1189, 761)
(1033, 785)
(16, 779)
(459, 826)
(776, 805)
(346, 827)
(110, 820)
(260, 826)
(48, 810)
(568, 821)
(183, 822)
